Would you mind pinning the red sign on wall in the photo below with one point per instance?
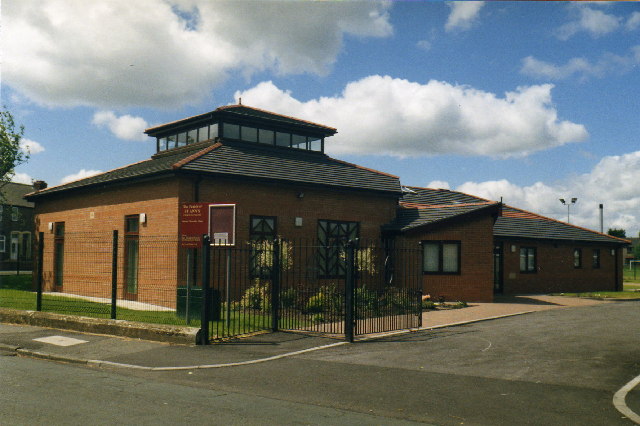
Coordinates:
(194, 222)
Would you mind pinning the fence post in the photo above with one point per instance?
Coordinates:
(203, 334)
(114, 274)
(40, 271)
(275, 286)
(349, 296)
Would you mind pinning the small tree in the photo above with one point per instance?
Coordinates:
(615, 232)
(11, 155)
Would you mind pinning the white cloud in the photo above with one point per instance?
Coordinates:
(22, 178)
(402, 118)
(169, 52)
(612, 182)
(124, 127)
(83, 173)
(438, 184)
(30, 147)
(633, 22)
(463, 14)
(582, 68)
(595, 22)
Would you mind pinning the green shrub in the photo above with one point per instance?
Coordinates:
(428, 305)
(256, 297)
(326, 299)
(367, 303)
(288, 297)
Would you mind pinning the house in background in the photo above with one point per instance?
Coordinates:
(16, 227)
(266, 175)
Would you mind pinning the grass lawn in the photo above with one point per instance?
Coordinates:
(631, 275)
(630, 291)
(15, 293)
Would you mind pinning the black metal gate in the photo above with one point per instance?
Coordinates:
(346, 288)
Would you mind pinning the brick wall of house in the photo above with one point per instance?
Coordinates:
(283, 202)
(555, 270)
(475, 281)
(90, 217)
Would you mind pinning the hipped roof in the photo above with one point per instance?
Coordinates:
(245, 160)
(513, 222)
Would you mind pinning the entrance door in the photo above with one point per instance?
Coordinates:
(15, 245)
(498, 276)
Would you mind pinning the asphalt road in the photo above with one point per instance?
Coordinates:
(557, 367)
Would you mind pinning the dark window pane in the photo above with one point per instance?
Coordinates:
(192, 136)
(231, 131)
(203, 133)
(298, 141)
(249, 134)
(283, 139)
(266, 136)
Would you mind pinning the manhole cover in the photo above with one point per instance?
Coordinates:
(60, 340)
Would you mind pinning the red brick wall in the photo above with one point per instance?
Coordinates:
(370, 211)
(475, 281)
(90, 216)
(555, 271)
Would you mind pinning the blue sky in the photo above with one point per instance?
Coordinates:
(528, 101)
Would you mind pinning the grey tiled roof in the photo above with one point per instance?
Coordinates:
(268, 163)
(246, 160)
(154, 166)
(410, 217)
(429, 196)
(514, 223)
(13, 193)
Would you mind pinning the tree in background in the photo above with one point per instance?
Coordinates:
(11, 154)
(615, 232)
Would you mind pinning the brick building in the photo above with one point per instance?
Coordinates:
(16, 227)
(264, 175)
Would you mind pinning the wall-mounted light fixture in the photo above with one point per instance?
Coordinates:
(300, 194)
(50, 226)
(143, 218)
(513, 248)
(298, 221)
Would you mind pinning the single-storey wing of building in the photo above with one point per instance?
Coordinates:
(475, 248)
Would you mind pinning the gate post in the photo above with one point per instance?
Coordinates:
(114, 274)
(203, 335)
(349, 296)
(275, 285)
(40, 271)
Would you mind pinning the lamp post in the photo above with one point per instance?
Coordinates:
(568, 204)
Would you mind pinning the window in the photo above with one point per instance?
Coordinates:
(298, 141)
(203, 133)
(3, 243)
(528, 259)
(441, 257)
(58, 253)
(162, 144)
(262, 232)
(192, 136)
(131, 253)
(266, 136)
(283, 139)
(171, 141)
(182, 139)
(249, 134)
(315, 143)
(14, 214)
(596, 259)
(15, 245)
(231, 131)
(332, 238)
(577, 258)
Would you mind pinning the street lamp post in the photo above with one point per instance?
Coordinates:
(568, 204)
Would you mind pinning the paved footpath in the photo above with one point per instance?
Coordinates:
(94, 349)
